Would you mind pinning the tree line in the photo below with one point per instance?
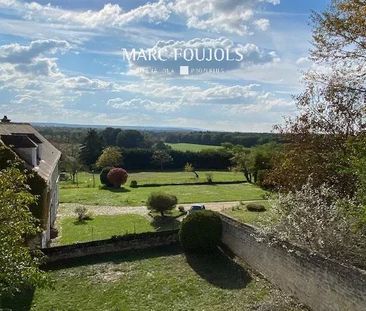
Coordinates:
(147, 150)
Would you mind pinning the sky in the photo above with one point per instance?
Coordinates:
(72, 61)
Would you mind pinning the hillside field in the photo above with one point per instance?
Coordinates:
(192, 147)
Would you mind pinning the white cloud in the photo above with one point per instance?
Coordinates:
(81, 83)
(32, 73)
(31, 59)
(244, 97)
(262, 24)
(231, 16)
(25, 54)
(141, 104)
(110, 16)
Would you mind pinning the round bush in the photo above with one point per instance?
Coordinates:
(133, 184)
(201, 231)
(253, 207)
(117, 177)
(103, 176)
(161, 202)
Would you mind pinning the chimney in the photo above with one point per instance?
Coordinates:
(5, 120)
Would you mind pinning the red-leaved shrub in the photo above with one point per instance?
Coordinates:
(117, 177)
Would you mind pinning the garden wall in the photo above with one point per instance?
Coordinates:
(116, 244)
(321, 284)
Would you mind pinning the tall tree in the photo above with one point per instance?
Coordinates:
(130, 139)
(111, 156)
(243, 161)
(109, 136)
(72, 165)
(91, 148)
(332, 109)
(161, 157)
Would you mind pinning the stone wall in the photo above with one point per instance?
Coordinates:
(321, 284)
(116, 244)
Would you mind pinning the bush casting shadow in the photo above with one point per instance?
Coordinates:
(111, 189)
(219, 270)
(163, 223)
(198, 183)
(82, 222)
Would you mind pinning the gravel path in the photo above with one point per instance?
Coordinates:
(67, 209)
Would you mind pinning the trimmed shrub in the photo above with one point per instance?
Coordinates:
(201, 231)
(117, 177)
(161, 202)
(209, 178)
(82, 214)
(103, 176)
(133, 184)
(181, 209)
(254, 207)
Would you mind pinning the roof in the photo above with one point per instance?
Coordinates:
(18, 141)
(24, 135)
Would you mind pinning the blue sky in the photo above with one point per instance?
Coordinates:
(61, 61)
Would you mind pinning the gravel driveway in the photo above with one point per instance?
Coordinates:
(67, 209)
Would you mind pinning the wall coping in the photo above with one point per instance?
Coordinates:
(295, 250)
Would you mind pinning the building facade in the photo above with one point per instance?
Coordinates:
(40, 156)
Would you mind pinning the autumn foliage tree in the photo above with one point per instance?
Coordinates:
(117, 177)
(331, 110)
(321, 170)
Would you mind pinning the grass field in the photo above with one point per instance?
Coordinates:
(241, 213)
(105, 226)
(137, 196)
(85, 179)
(102, 227)
(85, 193)
(192, 147)
(159, 279)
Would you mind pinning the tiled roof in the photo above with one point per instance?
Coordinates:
(26, 135)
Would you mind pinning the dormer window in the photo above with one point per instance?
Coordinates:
(24, 146)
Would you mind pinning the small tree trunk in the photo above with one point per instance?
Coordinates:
(248, 176)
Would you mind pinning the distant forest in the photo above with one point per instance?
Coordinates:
(147, 150)
(146, 138)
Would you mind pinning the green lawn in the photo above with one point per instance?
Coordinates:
(102, 227)
(192, 147)
(241, 213)
(186, 194)
(85, 180)
(159, 279)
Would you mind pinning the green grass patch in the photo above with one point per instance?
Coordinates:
(85, 179)
(241, 213)
(159, 279)
(192, 147)
(102, 227)
(186, 194)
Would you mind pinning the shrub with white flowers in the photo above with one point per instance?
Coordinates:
(317, 219)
